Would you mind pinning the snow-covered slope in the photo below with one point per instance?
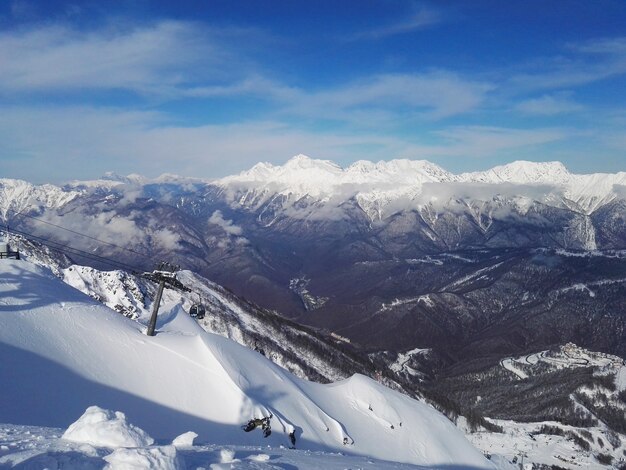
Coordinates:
(374, 185)
(285, 343)
(18, 195)
(307, 354)
(62, 352)
(302, 176)
(36, 447)
(522, 172)
(588, 191)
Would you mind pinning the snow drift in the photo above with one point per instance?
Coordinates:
(61, 352)
(106, 428)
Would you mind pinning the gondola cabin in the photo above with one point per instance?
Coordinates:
(197, 311)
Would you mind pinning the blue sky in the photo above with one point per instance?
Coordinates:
(208, 88)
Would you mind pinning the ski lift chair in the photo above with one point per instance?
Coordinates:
(197, 310)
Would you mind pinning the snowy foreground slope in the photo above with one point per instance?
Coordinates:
(61, 352)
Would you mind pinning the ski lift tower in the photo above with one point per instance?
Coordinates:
(165, 276)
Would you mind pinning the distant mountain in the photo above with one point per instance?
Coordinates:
(400, 184)
(393, 255)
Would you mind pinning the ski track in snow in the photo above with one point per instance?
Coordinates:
(508, 365)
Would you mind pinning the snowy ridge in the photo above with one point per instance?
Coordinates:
(522, 172)
(397, 184)
(380, 189)
(83, 352)
(588, 191)
(18, 195)
(226, 316)
(302, 176)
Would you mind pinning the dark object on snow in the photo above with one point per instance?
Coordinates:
(197, 311)
(259, 350)
(292, 439)
(263, 423)
(165, 276)
(6, 252)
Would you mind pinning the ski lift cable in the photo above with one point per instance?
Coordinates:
(75, 251)
(156, 276)
(115, 264)
(79, 233)
(171, 283)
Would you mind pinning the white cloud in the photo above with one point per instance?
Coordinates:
(370, 100)
(549, 105)
(483, 141)
(587, 62)
(423, 18)
(434, 95)
(144, 59)
(226, 224)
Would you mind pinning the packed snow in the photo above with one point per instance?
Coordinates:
(30, 447)
(60, 347)
(106, 429)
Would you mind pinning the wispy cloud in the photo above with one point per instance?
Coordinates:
(422, 18)
(145, 59)
(549, 105)
(582, 64)
(434, 95)
(484, 141)
(174, 59)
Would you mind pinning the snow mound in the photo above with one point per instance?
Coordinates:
(227, 456)
(185, 440)
(106, 428)
(152, 458)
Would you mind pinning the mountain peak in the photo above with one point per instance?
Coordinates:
(304, 162)
(523, 172)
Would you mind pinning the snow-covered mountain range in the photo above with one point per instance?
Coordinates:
(379, 186)
(393, 256)
(372, 184)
